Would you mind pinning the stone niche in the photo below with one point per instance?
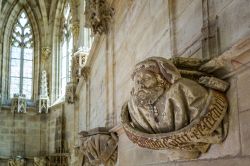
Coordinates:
(99, 147)
(176, 104)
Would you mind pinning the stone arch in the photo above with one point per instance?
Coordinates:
(7, 25)
(56, 39)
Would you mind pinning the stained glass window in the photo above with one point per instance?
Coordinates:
(66, 48)
(21, 59)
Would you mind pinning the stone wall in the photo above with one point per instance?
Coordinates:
(167, 28)
(22, 134)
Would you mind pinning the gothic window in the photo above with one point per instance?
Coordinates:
(66, 48)
(21, 57)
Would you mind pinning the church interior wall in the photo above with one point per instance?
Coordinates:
(139, 29)
(142, 29)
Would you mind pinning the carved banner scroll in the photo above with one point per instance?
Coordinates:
(194, 137)
(175, 105)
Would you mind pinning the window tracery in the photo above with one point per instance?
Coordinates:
(67, 48)
(21, 57)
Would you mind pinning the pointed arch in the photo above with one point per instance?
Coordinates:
(21, 57)
(8, 23)
(62, 43)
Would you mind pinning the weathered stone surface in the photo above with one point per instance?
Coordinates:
(245, 132)
(221, 162)
(99, 147)
(154, 117)
(243, 87)
(226, 148)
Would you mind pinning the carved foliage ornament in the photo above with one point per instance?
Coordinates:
(175, 105)
(98, 15)
(46, 51)
(99, 147)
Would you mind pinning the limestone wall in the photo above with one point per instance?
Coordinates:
(166, 28)
(22, 134)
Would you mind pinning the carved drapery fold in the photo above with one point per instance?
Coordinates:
(99, 147)
(176, 104)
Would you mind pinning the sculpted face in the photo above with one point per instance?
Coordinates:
(144, 80)
(148, 86)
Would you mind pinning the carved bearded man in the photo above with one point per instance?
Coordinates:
(162, 101)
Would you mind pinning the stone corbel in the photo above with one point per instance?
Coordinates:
(173, 81)
(79, 59)
(98, 15)
(99, 146)
(18, 103)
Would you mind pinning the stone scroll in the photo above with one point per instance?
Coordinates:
(175, 108)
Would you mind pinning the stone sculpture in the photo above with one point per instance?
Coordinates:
(75, 157)
(39, 161)
(70, 92)
(18, 161)
(99, 147)
(98, 15)
(18, 103)
(43, 101)
(175, 108)
(79, 59)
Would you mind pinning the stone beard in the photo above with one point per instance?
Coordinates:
(168, 111)
(159, 106)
